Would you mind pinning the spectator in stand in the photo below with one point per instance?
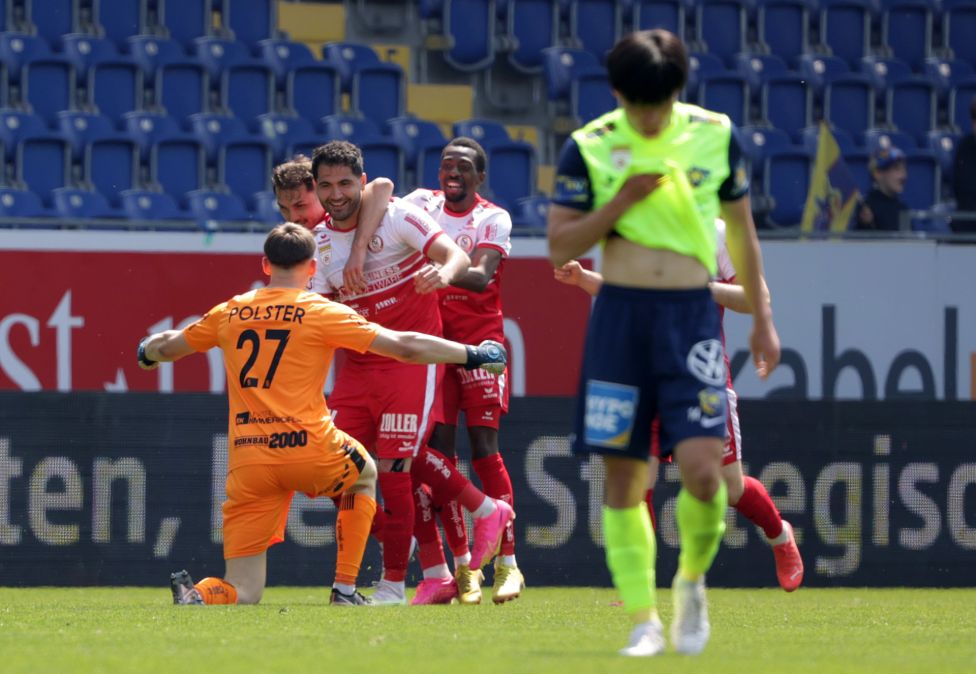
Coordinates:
(882, 208)
(964, 176)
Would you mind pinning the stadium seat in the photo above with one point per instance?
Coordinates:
(383, 157)
(84, 51)
(214, 131)
(115, 88)
(700, 65)
(250, 20)
(17, 203)
(786, 103)
(75, 203)
(81, 128)
(878, 139)
(486, 131)
(849, 104)
(858, 162)
(120, 19)
(112, 166)
(16, 125)
(727, 93)
(668, 14)
(313, 92)
(186, 20)
(758, 142)
(946, 73)
(470, 24)
(911, 107)
(422, 143)
(145, 205)
(347, 127)
(786, 178)
(42, 164)
(923, 186)
(218, 54)
(810, 139)
(148, 128)
(845, 28)
(512, 172)
(906, 29)
(758, 68)
(19, 49)
(531, 212)
(247, 91)
(783, 28)
(960, 98)
(942, 145)
(345, 57)
(591, 96)
(284, 131)
(177, 166)
(379, 91)
(884, 72)
(595, 25)
(959, 27)
(181, 89)
(560, 65)
(212, 210)
(722, 28)
(244, 166)
(534, 26)
(152, 52)
(53, 18)
(284, 56)
(48, 85)
(265, 209)
(818, 69)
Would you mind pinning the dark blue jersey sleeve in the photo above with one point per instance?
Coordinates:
(736, 185)
(573, 188)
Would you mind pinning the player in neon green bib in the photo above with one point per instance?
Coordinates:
(647, 181)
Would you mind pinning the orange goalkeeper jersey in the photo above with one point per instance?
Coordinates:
(278, 343)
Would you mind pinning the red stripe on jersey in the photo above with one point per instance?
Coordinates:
(421, 227)
(432, 239)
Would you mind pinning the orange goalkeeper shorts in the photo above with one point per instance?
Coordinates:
(258, 496)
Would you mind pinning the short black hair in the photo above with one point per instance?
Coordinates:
(648, 66)
(481, 157)
(337, 153)
(288, 245)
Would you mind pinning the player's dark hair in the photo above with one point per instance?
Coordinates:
(293, 174)
(648, 66)
(481, 157)
(288, 245)
(337, 153)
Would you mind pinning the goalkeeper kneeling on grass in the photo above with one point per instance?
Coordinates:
(278, 343)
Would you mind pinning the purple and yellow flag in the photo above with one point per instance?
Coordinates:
(833, 193)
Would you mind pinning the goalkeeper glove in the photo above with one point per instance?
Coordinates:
(489, 355)
(144, 362)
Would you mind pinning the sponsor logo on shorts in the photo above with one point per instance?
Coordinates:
(610, 412)
(710, 411)
(398, 423)
(383, 304)
(706, 362)
(248, 440)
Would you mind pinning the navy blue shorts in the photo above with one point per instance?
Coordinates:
(650, 353)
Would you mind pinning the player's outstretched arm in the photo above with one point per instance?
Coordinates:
(572, 273)
(484, 262)
(416, 347)
(376, 196)
(162, 347)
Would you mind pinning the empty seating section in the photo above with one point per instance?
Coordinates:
(168, 110)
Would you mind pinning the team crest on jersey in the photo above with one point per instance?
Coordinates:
(620, 157)
(375, 244)
(325, 253)
(697, 175)
(465, 243)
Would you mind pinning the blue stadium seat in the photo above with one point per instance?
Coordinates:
(247, 91)
(181, 89)
(120, 19)
(818, 69)
(42, 164)
(16, 125)
(906, 29)
(591, 96)
(924, 184)
(422, 142)
(700, 65)
(265, 209)
(177, 166)
(727, 93)
(251, 20)
(186, 20)
(244, 166)
(214, 131)
(668, 14)
(430, 9)
(561, 64)
(379, 91)
(511, 174)
(845, 27)
(383, 157)
(346, 127)
(534, 26)
(312, 91)
(346, 57)
(84, 51)
(115, 88)
(942, 144)
(784, 28)
(284, 56)
(212, 209)
(960, 98)
(81, 128)
(786, 178)
(946, 73)
(849, 104)
(959, 27)
(878, 139)
(48, 85)
(486, 131)
(17, 203)
(53, 18)
(283, 131)
(218, 54)
(758, 142)
(884, 72)
(148, 128)
(471, 26)
(758, 68)
(786, 103)
(911, 107)
(859, 163)
(810, 139)
(112, 166)
(146, 205)
(595, 25)
(19, 49)
(722, 28)
(531, 212)
(152, 52)
(75, 203)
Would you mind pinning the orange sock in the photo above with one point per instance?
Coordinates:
(216, 591)
(352, 529)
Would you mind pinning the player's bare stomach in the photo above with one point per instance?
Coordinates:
(635, 266)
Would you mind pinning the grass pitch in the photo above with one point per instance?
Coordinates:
(551, 630)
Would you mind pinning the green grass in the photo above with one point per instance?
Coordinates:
(556, 630)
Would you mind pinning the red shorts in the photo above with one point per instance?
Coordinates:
(731, 451)
(481, 395)
(391, 410)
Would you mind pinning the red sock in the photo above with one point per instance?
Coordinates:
(649, 500)
(398, 527)
(430, 549)
(758, 508)
(445, 481)
(497, 484)
(455, 529)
